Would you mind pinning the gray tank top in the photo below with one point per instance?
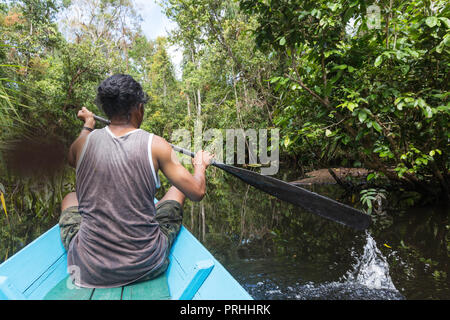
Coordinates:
(119, 240)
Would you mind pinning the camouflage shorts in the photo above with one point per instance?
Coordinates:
(169, 214)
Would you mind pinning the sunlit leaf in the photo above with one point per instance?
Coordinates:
(431, 21)
(378, 61)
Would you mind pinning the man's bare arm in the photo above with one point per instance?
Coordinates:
(192, 185)
(77, 146)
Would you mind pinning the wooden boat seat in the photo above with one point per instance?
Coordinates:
(155, 289)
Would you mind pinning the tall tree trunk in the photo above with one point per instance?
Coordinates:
(202, 214)
(199, 104)
(188, 104)
(192, 217)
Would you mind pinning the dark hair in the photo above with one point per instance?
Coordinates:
(119, 94)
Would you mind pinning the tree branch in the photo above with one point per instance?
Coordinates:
(311, 92)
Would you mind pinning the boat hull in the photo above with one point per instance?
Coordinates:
(193, 272)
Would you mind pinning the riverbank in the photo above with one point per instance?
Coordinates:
(323, 176)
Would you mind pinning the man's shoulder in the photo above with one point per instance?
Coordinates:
(158, 139)
(160, 146)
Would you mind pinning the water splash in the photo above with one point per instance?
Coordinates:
(371, 269)
(367, 279)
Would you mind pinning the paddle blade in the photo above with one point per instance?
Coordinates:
(310, 201)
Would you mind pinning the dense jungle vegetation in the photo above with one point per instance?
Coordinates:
(348, 84)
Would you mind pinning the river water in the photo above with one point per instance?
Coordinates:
(278, 251)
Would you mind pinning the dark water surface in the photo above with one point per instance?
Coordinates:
(277, 251)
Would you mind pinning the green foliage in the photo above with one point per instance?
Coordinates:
(223, 74)
(380, 93)
(165, 109)
(372, 199)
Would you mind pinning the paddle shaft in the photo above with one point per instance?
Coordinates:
(105, 121)
(191, 154)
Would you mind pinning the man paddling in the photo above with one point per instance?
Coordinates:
(113, 232)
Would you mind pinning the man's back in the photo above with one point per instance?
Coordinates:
(119, 239)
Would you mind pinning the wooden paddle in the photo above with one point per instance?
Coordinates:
(310, 201)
